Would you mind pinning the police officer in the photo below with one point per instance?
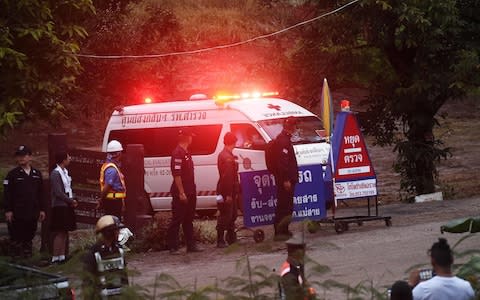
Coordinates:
(184, 194)
(105, 264)
(112, 181)
(286, 176)
(228, 188)
(24, 206)
(293, 284)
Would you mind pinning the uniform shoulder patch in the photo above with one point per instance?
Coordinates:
(5, 182)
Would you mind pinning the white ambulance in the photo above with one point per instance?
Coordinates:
(254, 118)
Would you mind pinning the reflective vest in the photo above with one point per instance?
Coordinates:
(112, 275)
(284, 270)
(112, 194)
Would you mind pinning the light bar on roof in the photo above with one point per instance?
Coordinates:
(245, 95)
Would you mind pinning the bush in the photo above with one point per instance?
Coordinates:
(153, 236)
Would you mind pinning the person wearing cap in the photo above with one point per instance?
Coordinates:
(184, 194)
(293, 284)
(228, 188)
(286, 176)
(112, 181)
(104, 264)
(23, 202)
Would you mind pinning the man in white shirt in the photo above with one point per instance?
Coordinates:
(444, 285)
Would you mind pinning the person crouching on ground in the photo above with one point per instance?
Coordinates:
(228, 188)
(293, 284)
(105, 266)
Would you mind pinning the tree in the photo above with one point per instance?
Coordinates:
(413, 56)
(38, 42)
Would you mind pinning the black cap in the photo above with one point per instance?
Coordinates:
(23, 150)
(185, 131)
(229, 138)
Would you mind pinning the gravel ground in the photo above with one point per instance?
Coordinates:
(372, 252)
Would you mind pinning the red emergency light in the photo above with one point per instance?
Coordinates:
(244, 95)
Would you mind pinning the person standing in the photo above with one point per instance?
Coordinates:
(104, 264)
(112, 181)
(293, 284)
(228, 187)
(444, 285)
(286, 176)
(63, 215)
(184, 194)
(24, 206)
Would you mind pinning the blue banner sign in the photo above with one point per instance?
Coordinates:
(259, 192)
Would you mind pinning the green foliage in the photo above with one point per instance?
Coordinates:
(38, 42)
(153, 236)
(412, 56)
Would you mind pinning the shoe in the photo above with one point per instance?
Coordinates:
(175, 252)
(221, 244)
(194, 249)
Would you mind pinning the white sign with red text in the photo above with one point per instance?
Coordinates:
(355, 189)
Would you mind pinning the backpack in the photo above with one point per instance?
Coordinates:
(270, 156)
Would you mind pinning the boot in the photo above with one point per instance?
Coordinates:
(231, 236)
(220, 240)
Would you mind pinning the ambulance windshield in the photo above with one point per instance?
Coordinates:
(309, 129)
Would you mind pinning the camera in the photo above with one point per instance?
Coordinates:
(426, 274)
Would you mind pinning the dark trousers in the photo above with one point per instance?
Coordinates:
(283, 212)
(113, 207)
(182, 214)
(227, 214)
(21, 234)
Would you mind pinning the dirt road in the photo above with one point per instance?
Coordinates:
(371, 252)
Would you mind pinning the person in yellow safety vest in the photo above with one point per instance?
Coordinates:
(112, 182)
(293, 284)
(104, 264)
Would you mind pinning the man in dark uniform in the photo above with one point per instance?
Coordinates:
(293, 284)
(184, 194)
(286, 176)
(228, 187)
(24, 203)
(105, 267)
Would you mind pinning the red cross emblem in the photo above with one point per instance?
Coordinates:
(276, 107)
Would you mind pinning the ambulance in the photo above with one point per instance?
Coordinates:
(255, 119)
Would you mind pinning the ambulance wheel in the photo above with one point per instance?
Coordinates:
(388, 222)
(258, 235)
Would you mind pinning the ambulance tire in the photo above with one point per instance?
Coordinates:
(207, 213)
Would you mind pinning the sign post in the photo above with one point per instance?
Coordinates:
(353, 175)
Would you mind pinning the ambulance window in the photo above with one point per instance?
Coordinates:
(248, 137)
(160, 142)
(309, 129)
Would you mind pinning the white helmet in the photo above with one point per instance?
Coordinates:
(114, 146)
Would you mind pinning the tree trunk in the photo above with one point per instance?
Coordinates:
(420, 135)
